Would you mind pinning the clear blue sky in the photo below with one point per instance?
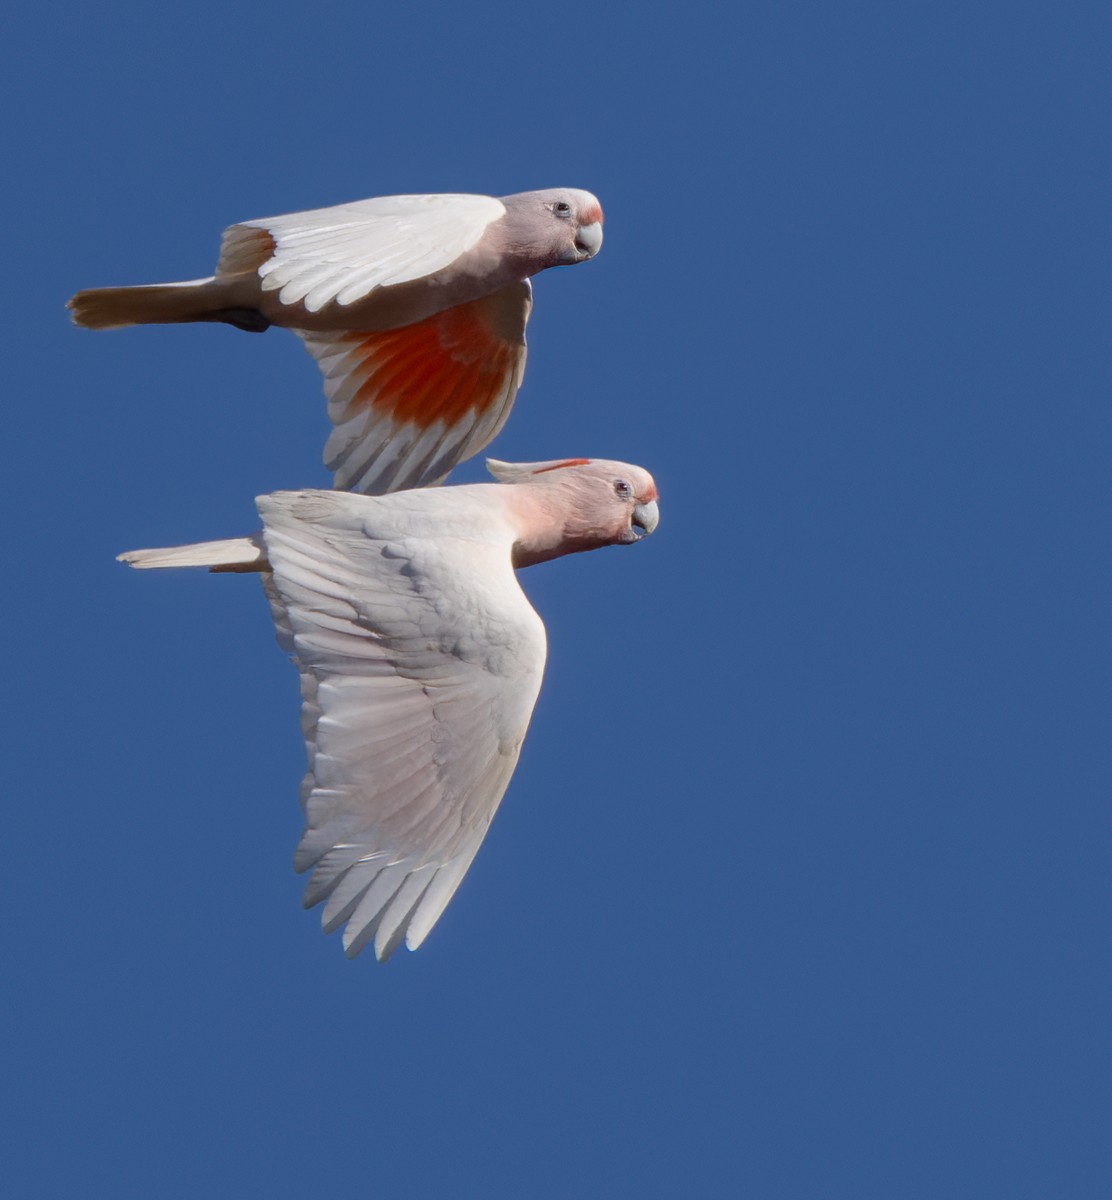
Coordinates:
(801, 888)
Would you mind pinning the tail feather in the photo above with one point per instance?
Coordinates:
(155, 303)
(209, 299)
(233, 554)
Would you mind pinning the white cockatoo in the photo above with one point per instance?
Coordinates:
(414, 308)
(420, 661)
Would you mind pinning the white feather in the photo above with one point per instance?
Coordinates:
(406, 764)
(350, 250)
(231, 551)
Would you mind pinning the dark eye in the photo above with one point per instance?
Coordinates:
(623, 489)
(562, 208)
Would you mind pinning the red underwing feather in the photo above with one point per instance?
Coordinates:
(438, 369)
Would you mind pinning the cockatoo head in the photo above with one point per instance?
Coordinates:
(568, 220)
(586, 503)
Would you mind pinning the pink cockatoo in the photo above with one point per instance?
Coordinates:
(414, 308)
(420, 661)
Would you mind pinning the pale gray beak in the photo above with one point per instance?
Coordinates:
(588, 241)
(646, 516)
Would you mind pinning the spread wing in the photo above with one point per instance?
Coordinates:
(342, 254)
(420, 662)
(408, 404)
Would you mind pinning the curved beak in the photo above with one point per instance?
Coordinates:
(645, 517)
(588, 240)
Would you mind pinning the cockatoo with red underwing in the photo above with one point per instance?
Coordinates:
(414, 308)
(420, 661)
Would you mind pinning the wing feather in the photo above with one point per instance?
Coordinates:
(344, 253)
(408, 404)
(420, 661)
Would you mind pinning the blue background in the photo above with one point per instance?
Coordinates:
(801, 888)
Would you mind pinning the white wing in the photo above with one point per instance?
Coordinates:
(420, 662)
(342, 254)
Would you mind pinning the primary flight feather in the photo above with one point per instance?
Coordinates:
(414, 308)
(420, 661)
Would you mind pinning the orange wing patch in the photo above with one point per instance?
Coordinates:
(439, 369)
(407, 404)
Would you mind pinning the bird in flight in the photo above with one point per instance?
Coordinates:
(414, 308)
(420, 661)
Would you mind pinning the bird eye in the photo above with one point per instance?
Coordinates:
(623, 489)
(562, 208)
